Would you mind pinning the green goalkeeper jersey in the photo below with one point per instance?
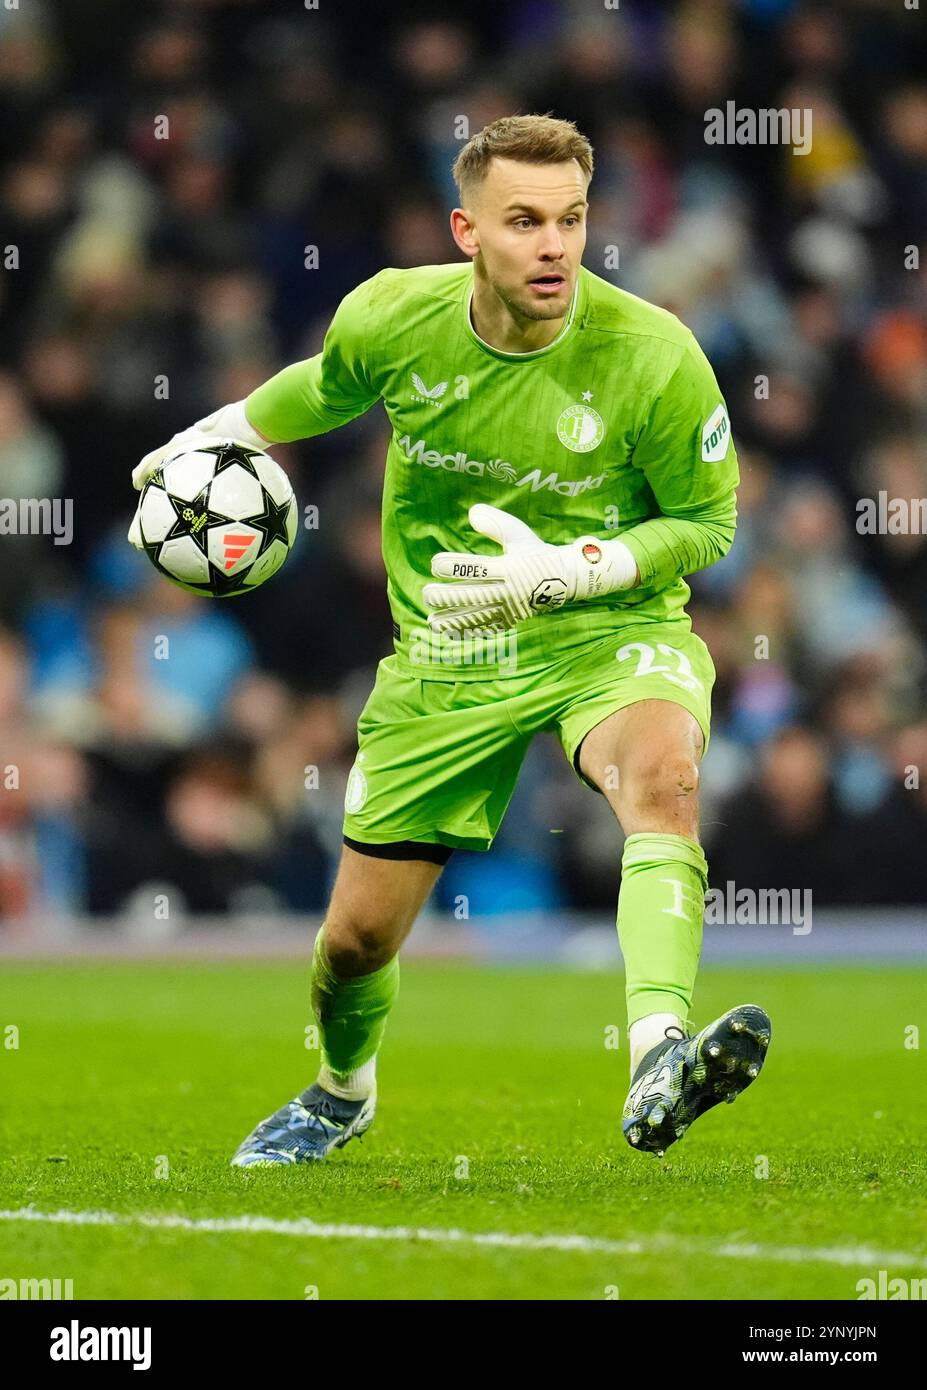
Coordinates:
(616, 428)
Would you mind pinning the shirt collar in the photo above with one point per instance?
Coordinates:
(535, 352)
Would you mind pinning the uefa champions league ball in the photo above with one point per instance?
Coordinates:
(218, 520)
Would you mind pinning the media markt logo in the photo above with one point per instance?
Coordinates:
(498, 469)
(356, 791)
(580, 427)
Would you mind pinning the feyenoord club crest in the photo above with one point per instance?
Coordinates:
(580, 428)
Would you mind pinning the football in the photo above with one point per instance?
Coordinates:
(218, 520)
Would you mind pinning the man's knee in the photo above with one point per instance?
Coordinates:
(655, 788)
(664, 783)
(372, 908)
(356, 947)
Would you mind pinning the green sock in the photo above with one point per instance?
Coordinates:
(351, 1013)
(660, 911)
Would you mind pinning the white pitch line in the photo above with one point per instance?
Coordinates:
(595, 1245)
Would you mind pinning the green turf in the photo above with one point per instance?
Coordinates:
(500, 1073)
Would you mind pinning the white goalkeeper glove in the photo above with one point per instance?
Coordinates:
(228, 422)
(531, 577)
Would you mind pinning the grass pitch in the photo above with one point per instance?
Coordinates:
(496, 1142)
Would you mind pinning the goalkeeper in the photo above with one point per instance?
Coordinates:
(560, 459)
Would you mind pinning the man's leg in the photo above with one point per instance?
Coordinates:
(355, 966)
(355, 979)
(645, 758)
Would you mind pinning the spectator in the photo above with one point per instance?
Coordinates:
(173, 237)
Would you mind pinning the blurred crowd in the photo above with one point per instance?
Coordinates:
(147, 280)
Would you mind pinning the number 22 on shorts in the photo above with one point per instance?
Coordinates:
(647, 665)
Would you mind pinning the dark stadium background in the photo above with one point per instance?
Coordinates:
(141, 259)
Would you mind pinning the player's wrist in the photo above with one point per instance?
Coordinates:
(603, 567)
(231, 422)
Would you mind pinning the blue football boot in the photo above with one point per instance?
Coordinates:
(678, 1080)
(306, 1129)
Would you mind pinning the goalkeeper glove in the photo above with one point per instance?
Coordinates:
(228, 422)
(531, 577)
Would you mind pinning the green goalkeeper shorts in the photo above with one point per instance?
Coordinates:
(438, 760)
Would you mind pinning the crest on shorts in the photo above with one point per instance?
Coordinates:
(356, 791)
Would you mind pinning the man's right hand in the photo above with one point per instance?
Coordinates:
(228, 422)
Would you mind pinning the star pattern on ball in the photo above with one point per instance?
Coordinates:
(227, 455)
(194, 518)
(272, 522)
(222, 585)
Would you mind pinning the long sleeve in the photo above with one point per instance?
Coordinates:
(686, 453)
(327, 390)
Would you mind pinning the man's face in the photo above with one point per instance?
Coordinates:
(529, 222)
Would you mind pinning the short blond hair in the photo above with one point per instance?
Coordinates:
(532, 139)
